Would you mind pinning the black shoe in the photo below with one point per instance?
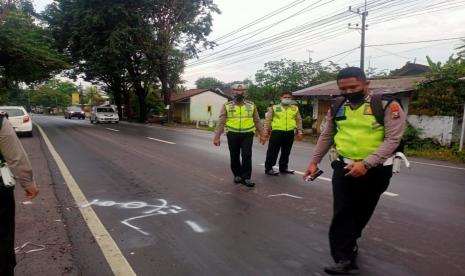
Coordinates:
(248, 183)
(237, 179)
(342, 268)
(272, 172)
(287, 171)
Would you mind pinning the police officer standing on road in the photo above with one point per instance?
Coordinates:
(362, 167)
(13, 154)
(282, 120)
(241, 119)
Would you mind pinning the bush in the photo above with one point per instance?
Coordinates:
(307, 122)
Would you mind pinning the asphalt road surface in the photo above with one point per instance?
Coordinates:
(167, 199)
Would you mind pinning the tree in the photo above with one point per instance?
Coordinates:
(181, 24)
(92, 96)
(289, 75)
(26, 53)
(209, 83)
(106, 44)
(442, 93)
(49, 97)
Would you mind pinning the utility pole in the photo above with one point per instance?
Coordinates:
(362, 28)
(309, 55)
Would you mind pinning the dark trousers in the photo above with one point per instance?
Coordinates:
(355, 200)
(7, 231)
(240, 145)
(279, 141)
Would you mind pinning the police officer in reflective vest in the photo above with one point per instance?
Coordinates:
(282, 120)
(241, 119)
(362, 165)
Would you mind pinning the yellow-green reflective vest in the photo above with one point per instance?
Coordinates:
(358, 134)
(284, 118)
(239, 118)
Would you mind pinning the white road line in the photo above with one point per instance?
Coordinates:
(163, 141)
(390, 194)
(329, 180)
(112, 129)
(299, 197)
(115, 258)
(195, 226)
(437, 165)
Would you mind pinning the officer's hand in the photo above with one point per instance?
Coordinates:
(311, 170)
(263, 139)
(217, 142)
(31, 192)
(299, 136)
(356, 169)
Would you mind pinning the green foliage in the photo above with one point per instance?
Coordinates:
(26, 53)
(289, 75)
(49, 97)
(209, 83)
(442, 93)
(92, 96)
(412, 136)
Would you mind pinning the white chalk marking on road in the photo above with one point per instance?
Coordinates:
(163, 141)
(299, 197)
(195, 226)
(150, 210)
(115, 258)
(437, 165)
(112, 129)
(329, 180)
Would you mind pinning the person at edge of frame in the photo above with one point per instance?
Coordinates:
(241, 119)
(362, 164)
(13, 154)
(281, 120)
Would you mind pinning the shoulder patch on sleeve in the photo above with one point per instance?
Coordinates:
(394, 111)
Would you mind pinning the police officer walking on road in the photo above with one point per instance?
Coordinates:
(282, 120)
(241, 119)
(362, 166)
(13, 154)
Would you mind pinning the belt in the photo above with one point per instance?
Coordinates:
(388, 161)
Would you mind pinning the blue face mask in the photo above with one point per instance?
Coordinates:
(286, 101)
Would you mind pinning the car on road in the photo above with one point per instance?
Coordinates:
(103, 114)
(19, 119)
(74, 112)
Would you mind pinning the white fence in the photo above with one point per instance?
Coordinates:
(442, 129)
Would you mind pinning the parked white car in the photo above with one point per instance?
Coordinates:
(19, 118)
(103, 114)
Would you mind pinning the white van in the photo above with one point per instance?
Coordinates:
(103, 114)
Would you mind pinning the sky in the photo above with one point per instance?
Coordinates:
(325, 34)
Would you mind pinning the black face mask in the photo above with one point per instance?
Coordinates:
(355, 97)
(239, 98)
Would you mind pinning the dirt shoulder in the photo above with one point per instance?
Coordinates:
(41, 222)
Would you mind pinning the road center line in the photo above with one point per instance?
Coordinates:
(329, 180)
(299, 197)
(163, 141)
(112, 129)
(437, 165)
(195, 226)
(115, 258)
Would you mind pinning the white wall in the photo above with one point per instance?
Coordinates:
(199, 106)
(439, 128)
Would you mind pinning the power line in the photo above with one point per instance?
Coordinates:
(415, 42)
(263, 18)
